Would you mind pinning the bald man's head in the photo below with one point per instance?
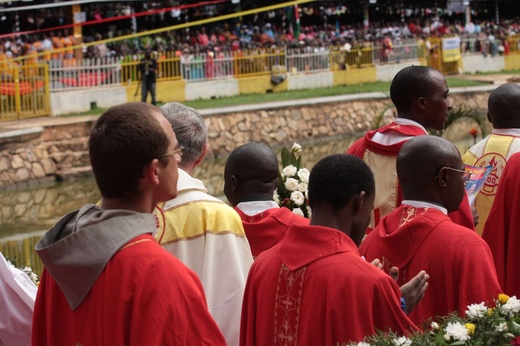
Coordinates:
(504, 106)
(427, 168)
(250, 173)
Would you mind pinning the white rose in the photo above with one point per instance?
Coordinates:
(291, 184)
(362, 344)
(296, 148)
(289, 171)
(435, 326)
(298, 211)
(303, 187)
(304, 175)
(276, 197)
(309, 211)
(297, 198)
(307, 194)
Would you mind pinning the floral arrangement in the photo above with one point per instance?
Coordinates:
(292, 186)
(483, 325)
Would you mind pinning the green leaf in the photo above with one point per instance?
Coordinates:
(286, 157)
(282, 191)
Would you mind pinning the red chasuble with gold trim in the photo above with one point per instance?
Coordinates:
(458, 261)
(313, 288)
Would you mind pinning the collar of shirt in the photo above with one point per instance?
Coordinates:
(396, 137)
(421, 204)
(256, 207)
(507, 132)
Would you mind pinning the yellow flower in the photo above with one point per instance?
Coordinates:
(470, 327)
(503, 298)
(490, 311)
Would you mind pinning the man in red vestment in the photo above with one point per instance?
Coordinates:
(420, 96)
(419, 235)
(106, 281)
(250, 177)
(313, 287)
(501, 229)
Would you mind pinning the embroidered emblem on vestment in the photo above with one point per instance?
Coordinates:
(287, 306)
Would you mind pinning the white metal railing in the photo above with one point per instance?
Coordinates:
(307, 59)
(398, 53)
(83, 74)
(197, 67)
(207, 66)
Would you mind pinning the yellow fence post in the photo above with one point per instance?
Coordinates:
(17, 99)
(47, 91)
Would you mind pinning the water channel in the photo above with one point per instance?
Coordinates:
(25, 215)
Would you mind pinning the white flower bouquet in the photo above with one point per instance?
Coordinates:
(483, 325)
(292, 187)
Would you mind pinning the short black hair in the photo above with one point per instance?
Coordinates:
(503, 106)
(409, 84)
(125, 139)
(336, 179)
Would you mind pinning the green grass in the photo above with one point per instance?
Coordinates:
(501, 72)
(453, 82)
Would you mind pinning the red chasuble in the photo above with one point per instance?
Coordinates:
(362, 146)
(268, 228)
(144, 296)
(313, 288)
(458, 261)
(501, 231)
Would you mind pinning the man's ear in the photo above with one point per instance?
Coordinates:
(358, 202)
(202, 155)
(234, 184)
(152, 172)
(442, 178)
(421, 103)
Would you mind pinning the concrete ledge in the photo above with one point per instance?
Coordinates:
(479, 63)
(212, 89)
(20, 135)
(387, 72)
(83, 100)
(294, 103)
(310, 81)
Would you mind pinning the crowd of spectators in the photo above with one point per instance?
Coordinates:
(320, 27)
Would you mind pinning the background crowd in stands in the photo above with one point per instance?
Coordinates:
(334, 25)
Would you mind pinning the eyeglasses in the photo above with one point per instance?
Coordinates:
(465, 174)
(175, 152)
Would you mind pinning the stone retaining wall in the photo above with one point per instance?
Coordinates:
(59, 152)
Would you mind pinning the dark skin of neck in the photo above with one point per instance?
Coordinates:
(252, 197)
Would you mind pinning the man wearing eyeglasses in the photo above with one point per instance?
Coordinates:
(106, 280)
(202, 231)
(419, 235)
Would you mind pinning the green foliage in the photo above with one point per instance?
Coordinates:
(463, 111)
(482, 326)
(377, 120)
